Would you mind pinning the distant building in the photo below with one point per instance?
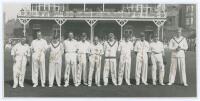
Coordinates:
(180, 15)
(188, 16)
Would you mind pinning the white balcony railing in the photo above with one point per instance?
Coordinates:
(70, 14)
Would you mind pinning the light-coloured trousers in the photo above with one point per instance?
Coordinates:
(55, 71)
(157, 61)
(124, 66)
(70, 62)
(180, 62)
(38, 64)
(19, 69)
(82, 68)
(110, 65)
(141, 68)
(95, 60)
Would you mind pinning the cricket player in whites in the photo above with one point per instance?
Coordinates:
(157, 53)
(125, 48)
(55, 60)
(110, 48)
(178, 45)
(83, 50)
(38, 47)
(141, 50)
(70, 46)
(21, 54)
(96, 52)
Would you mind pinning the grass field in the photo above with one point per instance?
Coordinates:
(176, 90)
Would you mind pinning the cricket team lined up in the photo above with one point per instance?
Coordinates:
(80, 53)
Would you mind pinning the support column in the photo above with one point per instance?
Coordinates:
(159, 23)
(84, 7)
(103, 7)
(147, 10)
(92, 24)
(141, 10)
(60, 22)
(24, 21)
(162, 31)
(158, 31)
(121, 22)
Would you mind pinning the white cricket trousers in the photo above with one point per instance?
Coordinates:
(157, 62)
(180, 62)
(38, 64)
(70, 62)
(82, 68)
(110, 65)
(55, 72)
(124, 66)
(95, 61)
(19, 69)
(141, 68)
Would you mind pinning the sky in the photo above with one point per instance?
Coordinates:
(11, 10)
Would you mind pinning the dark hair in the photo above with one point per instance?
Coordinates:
(142, 34)
(38, 32)
(55, 35)
(84, 34)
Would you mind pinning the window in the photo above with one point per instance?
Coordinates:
(187, 21)
(37, 7)
(187, 9)
(56, 7)
(61, 7)
(191, 21)
(41, 7)
(51, 7)
(192, 8)
(46, 7)
(33, 7)
(139, 7)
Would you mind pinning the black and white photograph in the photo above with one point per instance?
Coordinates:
(99, 49)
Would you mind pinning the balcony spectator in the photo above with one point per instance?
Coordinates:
(22, 11)
(125, 10)
(74, 12)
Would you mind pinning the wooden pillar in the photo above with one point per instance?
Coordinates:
(103, 7)
(84, 7)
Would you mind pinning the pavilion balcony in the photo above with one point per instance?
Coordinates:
(82, 14)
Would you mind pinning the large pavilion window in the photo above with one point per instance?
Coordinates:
(34, 7)
(188, 9)
(41, 7)
(61, 6)
(66, 7)
(56, 7)
(46, 7)
(51, 7)
(189, 21)
(138, 7)
(130, 7)
(94, 7)
(37, 7)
